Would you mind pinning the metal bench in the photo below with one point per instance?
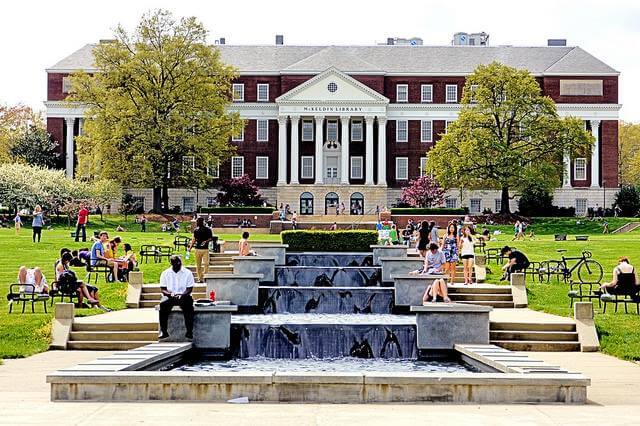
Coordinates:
(18, 293)
(181, 241)
(582, 237)
(148, 251)
(163, 251)
(96, 270)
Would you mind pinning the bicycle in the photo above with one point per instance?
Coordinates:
(589, 271)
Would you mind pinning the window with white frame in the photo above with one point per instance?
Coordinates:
(307, 167)
(475, 204)
(402, 93)
(263, 92)
(497, 205)
(212, 201)
(402, 130)
(581, 206)
(307, 130)
(580, 169)
(238, 92)
(402, 168)
(66, 84)
(356, 168)
(451, 203)
(446, 126)
(473, 89)
(263, 130)
(423, 166)
(188, 204)
(238, 137)
(426, 93)
(213, 169)
(452, 93)
(188, 163)
(237, 167)
(356, 130)
(332, 130)
(262, 167)
(426, 131)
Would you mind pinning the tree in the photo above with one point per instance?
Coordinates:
(536, 200)
(160, 94)
(34, 146)
(628, 201)
(423, 191)
(629, 153)
(506, 136)
(240, 191)
(129, 205)
(13, 120)
(102, 192)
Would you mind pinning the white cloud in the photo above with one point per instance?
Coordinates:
(36, 35)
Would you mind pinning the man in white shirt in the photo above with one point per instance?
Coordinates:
(176, 284)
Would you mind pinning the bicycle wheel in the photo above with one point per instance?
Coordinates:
(590, 271)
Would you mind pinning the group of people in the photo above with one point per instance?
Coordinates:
(519, 228)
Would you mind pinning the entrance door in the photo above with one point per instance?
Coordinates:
(331, 170)
(331, 203)
(306, 203)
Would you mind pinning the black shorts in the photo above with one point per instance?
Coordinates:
(467, 256)
(438, 299)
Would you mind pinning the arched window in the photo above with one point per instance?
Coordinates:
(306, 203)
(356, 203)
(331, 203)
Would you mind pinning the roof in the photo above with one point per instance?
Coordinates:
(385, 59)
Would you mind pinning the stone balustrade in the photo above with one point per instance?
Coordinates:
(239, 289)
(387, 251)
(398, 266)
(264, 265)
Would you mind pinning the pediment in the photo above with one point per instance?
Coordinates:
(332, 86)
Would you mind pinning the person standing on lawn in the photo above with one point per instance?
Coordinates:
(18, 222)
(37, 223)
(202, 236)
(81, 224)
(143, 224)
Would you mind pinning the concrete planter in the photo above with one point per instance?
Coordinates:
(279, 251)
(241, 290)
(387, 251)
(211, 327)
(264, 265)
(398, 266)
(440, 326)
(409, 289)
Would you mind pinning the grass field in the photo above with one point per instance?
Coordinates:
(23, 335)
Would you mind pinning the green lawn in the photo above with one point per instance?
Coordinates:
(23, 335)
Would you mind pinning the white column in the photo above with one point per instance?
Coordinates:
(294, 150)
(344, 153)
(382, 151)
(369, 151)
(595, 155)
(319, 146)
(70, 148)
(282, 150)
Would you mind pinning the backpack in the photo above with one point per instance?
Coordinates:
(67, 282)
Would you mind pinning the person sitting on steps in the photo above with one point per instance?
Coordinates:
(176, 284)
(436, 292)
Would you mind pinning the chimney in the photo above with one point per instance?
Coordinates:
(390, 41)
(279, 40)
(222, 40)
(557, 42)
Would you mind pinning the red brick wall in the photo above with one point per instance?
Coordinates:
(551, 88)
(609, 146)
(56, 127)
(54, 87)
(415, 91)
(251, 87)
(219, 219)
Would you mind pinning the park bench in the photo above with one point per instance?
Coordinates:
(582, 237)
(147, 251)
(96, 270)
(625, 292)
(581, 291)
(163, 251)
(62, 292)
(533, 271)
(181, 241)
(18, 293)
(560, 237)
(480, 245)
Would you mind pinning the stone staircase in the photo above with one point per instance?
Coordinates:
(497, 296)
(535, 337)
(627, 227)
(112, 337)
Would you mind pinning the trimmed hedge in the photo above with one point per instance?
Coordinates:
(240, 210)
(429, 211)
(345, 241)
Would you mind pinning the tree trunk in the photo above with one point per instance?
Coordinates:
(504, 208)
(157, 199)
(165, 197)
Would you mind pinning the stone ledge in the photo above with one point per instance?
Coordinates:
(450, 307)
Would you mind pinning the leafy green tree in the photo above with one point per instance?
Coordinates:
(507, 135)
(160, 94)
(34, 146)
(629, 153)
(13, 120)
(535, 200)
(628, 201)
(129, 205)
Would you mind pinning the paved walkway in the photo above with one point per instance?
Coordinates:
(24, 399)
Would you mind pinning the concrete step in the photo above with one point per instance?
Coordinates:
(485, 289)
(115, 326)
(155, 288)
(90, 345)
(495, 304)
(502, 297)
(111, 336)
(152, 299)
(537, 346)
(527, 326)
(563, 336)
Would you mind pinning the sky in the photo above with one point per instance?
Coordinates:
(35, 35)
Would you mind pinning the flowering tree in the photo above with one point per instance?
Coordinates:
(423, 191)
(240, 191)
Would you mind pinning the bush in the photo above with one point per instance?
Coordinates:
(429, 211)
(343, 241)
(535, 200)
(628, 201)
(239, 209)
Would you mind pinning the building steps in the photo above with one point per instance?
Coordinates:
(628, 227)
(95, 345)
(111, 336)
(537, 346)
(547, 337)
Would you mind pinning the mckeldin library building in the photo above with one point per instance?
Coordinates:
(326, 125)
